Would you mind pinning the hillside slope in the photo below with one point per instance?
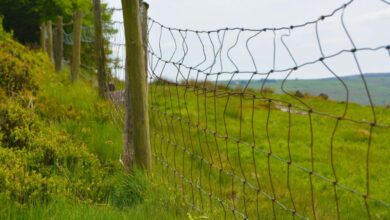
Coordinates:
(60, 149)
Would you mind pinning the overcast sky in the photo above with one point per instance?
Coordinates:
(368, 22)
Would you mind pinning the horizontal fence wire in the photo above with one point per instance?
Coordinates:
(244, 152)
(87, 36)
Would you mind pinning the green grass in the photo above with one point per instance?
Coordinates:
(52, 174)
(158, 204)
(174, 106)
(93, 123)
(76, 110)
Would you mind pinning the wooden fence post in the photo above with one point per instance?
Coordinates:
(43, 36)
(59, 44)
(99, 49)
(136, 98)
(144, 10)
(49, 48)
(76, 48)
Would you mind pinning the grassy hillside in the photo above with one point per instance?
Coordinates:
(60, 148)
(378, 84)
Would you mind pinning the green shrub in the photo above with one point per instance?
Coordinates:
(3, 34)
(16, 182)
(37, 163)
(19, 68)
(38, 160)
(16, 125)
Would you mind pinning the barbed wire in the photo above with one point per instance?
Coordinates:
(216, 144)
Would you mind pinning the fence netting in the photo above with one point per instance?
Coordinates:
(230, 145)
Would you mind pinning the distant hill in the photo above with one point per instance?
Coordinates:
(378, 84)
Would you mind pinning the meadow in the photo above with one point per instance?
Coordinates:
(236, 154)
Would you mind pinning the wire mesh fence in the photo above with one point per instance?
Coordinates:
(229, 146)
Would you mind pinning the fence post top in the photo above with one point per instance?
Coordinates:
(145, 4)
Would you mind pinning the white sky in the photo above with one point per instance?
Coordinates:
(368, 22)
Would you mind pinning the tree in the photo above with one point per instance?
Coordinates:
(24, 17)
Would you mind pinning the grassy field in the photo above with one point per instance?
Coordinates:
(189, 133)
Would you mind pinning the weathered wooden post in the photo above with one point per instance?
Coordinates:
(99, 49)
(76, 48)
(43, 36)
(49, 28)
(59, 44)
(137, 118)
(144, 22)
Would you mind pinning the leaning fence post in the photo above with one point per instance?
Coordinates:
(76, 48)
(59, 44)
(49, 48)
(43, 36)
(99, 49)
(136, 98)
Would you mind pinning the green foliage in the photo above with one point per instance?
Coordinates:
(16, 125)
(17, 69)
(60, 150)
(77, 110)
(3, 34)
(45, 162)
(24, 17)
(38, 161)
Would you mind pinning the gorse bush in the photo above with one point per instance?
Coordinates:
(16, 125)
(19, 67)
(15, 74)
(37, 161)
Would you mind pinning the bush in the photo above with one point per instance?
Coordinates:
(16, 183)
(19, 67)
(38, 163)
(16, 125)
(3, 34)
